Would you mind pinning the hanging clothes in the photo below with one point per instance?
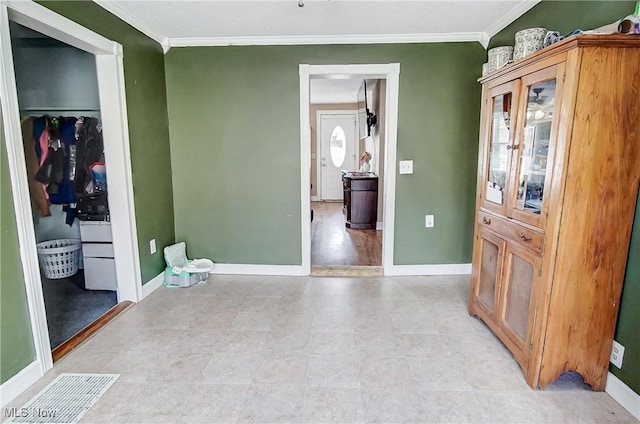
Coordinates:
(51, 172)
(36, 190)
(65, 187)
(89, 149)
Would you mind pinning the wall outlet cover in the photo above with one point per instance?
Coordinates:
(152, 246)
(617, 354)
(406, 167)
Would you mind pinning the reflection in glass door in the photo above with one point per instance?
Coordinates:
(534, 148)
(498, 160)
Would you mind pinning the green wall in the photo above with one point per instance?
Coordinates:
(16, 340)
(566, 16)
(627, 331)
(234, 125)
(148, 126)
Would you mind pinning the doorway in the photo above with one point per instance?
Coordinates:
(389, 74)
(62, 139)
(110, 75)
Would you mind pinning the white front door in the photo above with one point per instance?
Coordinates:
(337, 152)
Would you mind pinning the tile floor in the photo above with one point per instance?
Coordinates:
(317, 350)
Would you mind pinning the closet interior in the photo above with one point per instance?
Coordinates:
(64, 153)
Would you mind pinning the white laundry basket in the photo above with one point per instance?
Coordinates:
(59, 258)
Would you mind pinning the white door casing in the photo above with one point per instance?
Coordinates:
(338, 151)
(110, 73)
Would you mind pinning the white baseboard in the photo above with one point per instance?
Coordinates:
(444, 269)
(379, 225)
(152, 285)
(623, 394)
(247, 269)
(19, 383)
(315, 198)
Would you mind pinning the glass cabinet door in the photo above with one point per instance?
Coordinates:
(499, 122)
(533, 152)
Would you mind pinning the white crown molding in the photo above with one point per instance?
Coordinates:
(519, 10)
(114, 8)
(327, 39)
(484, 40)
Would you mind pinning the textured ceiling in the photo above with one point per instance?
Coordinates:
(284, 18)
(239, 22)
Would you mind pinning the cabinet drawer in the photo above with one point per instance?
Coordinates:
(512, 231)
(364, 185)
(95, 231)
(97, 250)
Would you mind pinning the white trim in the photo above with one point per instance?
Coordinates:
(315, 198)
(390, 150)
(21, 200)
(520, 9)
(484, 40)
(440, 269)
(319, 113)
(248, 269)
(152, 285)
(623, 394)
(110, 74)
(19, 383)
(35, 16)
(290, 40)
(379, 225)
(391, 73)
(305, 169)
(113, 108)
(137, 23)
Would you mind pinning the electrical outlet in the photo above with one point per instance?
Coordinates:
(152, 246)
(617, 354)
(406, 167)
(428, 221)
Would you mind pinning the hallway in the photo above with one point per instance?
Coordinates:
(334, 244)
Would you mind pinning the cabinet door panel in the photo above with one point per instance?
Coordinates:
(533, 152)
(491, 251)
(499, 120)
(517, 310)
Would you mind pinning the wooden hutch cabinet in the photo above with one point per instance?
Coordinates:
(558, 175)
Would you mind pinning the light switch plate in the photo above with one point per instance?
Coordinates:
(406, 167)
(428, 221)
(152, 246)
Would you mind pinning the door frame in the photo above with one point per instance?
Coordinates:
(110, 73)
(389, 72)
(319, 114)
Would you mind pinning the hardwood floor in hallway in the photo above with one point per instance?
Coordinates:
(334, 244)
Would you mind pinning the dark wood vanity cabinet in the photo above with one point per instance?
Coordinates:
(360, 200)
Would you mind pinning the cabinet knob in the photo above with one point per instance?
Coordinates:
(509, 147)
(525, 238)
(486, 220)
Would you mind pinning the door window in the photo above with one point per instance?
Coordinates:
(338, 146)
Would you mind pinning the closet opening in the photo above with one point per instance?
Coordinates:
(60, 117)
